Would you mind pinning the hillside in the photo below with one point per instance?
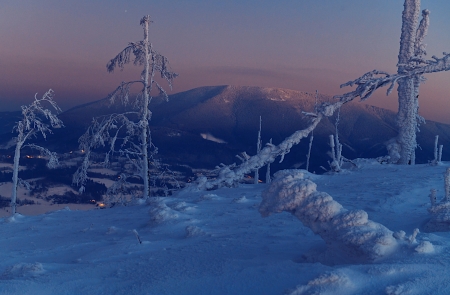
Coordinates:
(206, 126)
(216, 242)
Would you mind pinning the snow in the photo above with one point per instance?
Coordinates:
(216, 242)
(210, 137)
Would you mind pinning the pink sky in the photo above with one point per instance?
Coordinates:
(301, 45)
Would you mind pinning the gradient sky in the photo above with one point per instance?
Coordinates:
(296, 44)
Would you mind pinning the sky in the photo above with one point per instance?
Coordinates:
(295, 44)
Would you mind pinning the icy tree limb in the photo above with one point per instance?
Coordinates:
(229, 176)
(52, 161)
(346, 231)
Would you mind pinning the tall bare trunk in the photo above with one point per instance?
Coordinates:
(145, 112)
(407, 87)
(15, 177)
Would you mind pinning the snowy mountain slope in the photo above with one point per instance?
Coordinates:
(182, 126)
(216, 242)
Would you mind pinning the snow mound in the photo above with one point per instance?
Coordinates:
(160, 212)
(112, 230)
(181, 206)
(399, 289)
(21, 270)
(15, 218)
(425, 247)
(207, 197)
(239, 200)
(350, 232)
(193, 231)
(440, 218)
(329, 283)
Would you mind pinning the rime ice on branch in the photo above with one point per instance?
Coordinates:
(133, 136)
(36, 119)
(348, 231)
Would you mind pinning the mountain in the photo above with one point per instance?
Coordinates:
(206, 126)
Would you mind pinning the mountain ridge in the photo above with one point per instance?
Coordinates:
(181, 127)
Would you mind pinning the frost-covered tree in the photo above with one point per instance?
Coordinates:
(400, 149)
(128, 134)
(36, 119)
(411, 67)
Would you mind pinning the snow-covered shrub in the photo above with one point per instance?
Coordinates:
(440, 211)
(193, 231)
(206, 197)
(160, 212)
(350, 232)
(241, 199)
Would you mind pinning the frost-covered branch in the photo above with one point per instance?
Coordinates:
(229, 175)
(345, 231)
(105, 131)
(371, 81)
(53, 161)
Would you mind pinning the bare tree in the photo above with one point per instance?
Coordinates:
(124, 130)
(35, 119)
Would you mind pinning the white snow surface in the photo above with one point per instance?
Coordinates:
(216, 242)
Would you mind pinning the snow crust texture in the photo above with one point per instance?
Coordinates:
(348, 232)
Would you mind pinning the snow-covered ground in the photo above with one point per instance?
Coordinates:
(216, 242)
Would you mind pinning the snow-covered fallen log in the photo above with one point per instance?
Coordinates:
(345, 231)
